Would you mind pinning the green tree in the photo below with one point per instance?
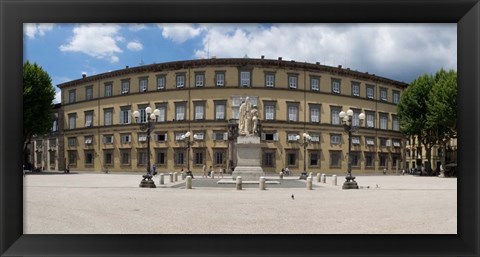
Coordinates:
(412, 112)
(442, 115)
(38, 94)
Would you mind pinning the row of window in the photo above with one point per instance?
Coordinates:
(335, 139)
(245, 81)
(125, 114)
(220, 155)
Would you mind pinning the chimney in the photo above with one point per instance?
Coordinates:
(279, 58)
(317, 63)
(126, 67)
(84, 75)
(339, 66)
(263, 57)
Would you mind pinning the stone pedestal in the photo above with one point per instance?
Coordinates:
(249, 158)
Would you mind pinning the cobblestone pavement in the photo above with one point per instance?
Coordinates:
(113, 203)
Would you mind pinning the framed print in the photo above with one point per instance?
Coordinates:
(13, 241)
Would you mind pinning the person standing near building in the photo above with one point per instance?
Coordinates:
(204, 170)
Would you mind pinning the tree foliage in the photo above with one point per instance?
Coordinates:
(38, 94)
(427, 109)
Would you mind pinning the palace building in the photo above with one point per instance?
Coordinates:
(203, 97)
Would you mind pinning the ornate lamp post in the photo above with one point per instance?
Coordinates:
(147, 126)
(306, 141)
(347, 119)
(186, 138)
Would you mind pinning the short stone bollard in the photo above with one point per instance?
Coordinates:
(239, 183)
(318, 177)
(175, 176)
(171, 177)
(310, 174)
(262, 183)
(280, 175)
(162, 181)
(309, 183)
(334, 180)
(324, 179)
(189, 182)
(183, 175)
(213, 174)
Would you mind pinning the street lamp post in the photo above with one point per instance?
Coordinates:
(148, 127)
(186, 138)
(306, 141)
(347, 119)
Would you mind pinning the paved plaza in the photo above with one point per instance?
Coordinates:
(86, 203)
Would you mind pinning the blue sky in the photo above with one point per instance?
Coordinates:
(397, 51)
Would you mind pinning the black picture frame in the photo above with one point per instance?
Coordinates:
(466, 13)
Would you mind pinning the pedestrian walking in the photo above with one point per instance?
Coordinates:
(287, 171)
(154, 167)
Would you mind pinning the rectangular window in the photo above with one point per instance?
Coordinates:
(125, 86)
(370, 119)
(292, 81)
(369, 159)
(88, 140)
(355, 140)
(88, 119)
(383, 141)
(383, 94)
(161, 82)
(335, 157)
(220, 79)
(355, 159)
(108, 117)
(395, 96)
(355, 89)
(219, 157)
(71, 120)
(315, 113)
(142, 138)
(199, 78)
(72, 157)
(396, 143)
(293, 137)
(315, 84)
(269, 110)
(199, 157)
(88, 158)
(108, 157)
(125, 157)
(219, 110)
(163, 112)
(72, 95)
(108, 89)
(335, 139)
(269, 80)
(199, 111)
(383, 160)
(179, 157)
(72, 141)
(126, 138)
(292, 113)
(314, 159)
(199, 136)
(107, 139)
(180, 81)
(244, 79)
(292, 158)
(370, 92)
(269, 158)
(55, 122)
(269, 136)
(335, 115)
(142, 157)
(161, 157)
(314, 138)
(336, 86)
(178, 136)
(356, 118)
(219, 136)
(161, 137)
(143, 84)
(125, 115)
(180, 112)
(395, 123)
(383, 121)
(143, 114)
(369, 141)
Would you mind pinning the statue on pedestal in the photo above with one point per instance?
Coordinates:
(244, 118)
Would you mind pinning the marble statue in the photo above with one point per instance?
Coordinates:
(244, 118)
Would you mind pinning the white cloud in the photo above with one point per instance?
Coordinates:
(136, 27)
(134, 46)
(180, 32)
(397, 51)
(31, 30)
(96, 40)
(58, 97)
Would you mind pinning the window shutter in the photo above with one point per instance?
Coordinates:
(275, 137)
(166, 136)
(225, 136)
(214, 136)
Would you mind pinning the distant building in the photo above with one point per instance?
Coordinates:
(47, 151)
(203, 96)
